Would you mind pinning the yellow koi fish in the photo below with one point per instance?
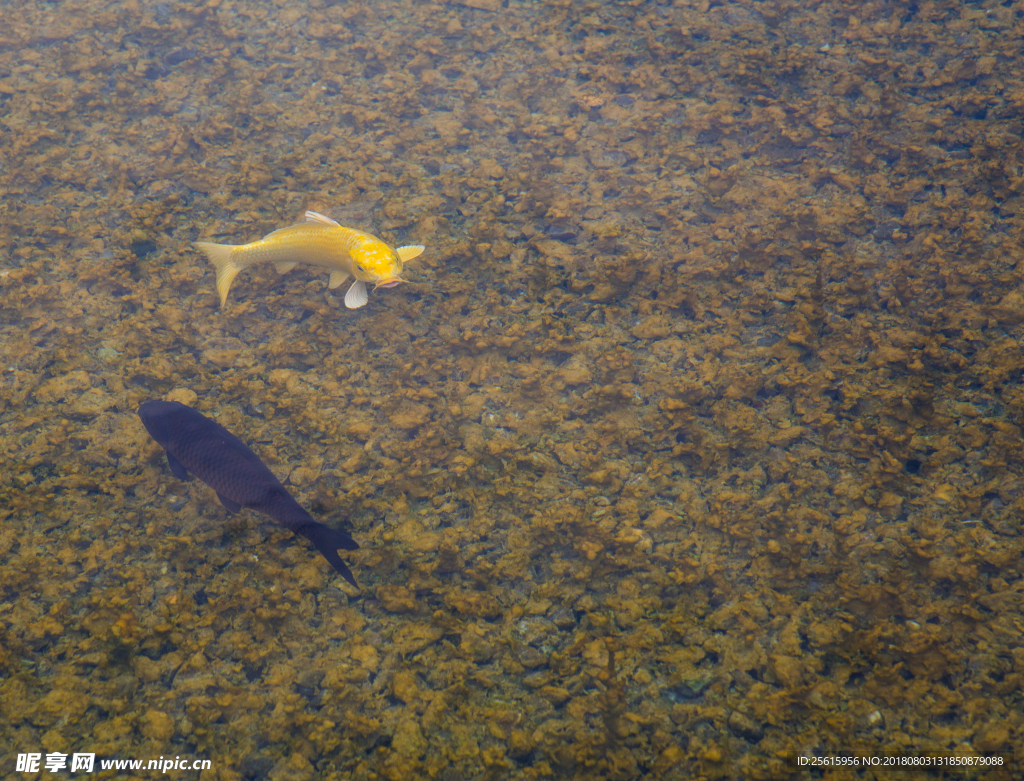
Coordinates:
(320, 241)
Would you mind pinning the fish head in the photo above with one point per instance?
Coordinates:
(376, 262)
(159, 418)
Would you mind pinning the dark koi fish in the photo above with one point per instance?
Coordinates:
(196, 444)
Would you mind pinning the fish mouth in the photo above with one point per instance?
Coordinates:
(389, 282)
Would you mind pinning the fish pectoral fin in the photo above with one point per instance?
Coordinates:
(229, 504)
(356, 295)
(317, 217)
(337, 277)
(328, 541)
(177, 469)
(407, 253)
(284, 268)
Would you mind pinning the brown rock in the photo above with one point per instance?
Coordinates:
(157, 725)
(397, 599)
(556, 695)
(408, 740)
(1010, 308)
(403, 686)
(61, 387)
(411, 416)
(991, 738)
(788, 670)
(473, 603)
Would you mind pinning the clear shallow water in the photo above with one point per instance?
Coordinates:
(691, 447)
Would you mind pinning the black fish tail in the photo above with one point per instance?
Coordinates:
(327, 541)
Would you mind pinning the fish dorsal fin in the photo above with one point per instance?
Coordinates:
(284, 268)
(317, 217)
(407, 253)
(337, 277)
(356, 295)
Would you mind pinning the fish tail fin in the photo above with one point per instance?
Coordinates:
(328, 541)
(227, 269)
